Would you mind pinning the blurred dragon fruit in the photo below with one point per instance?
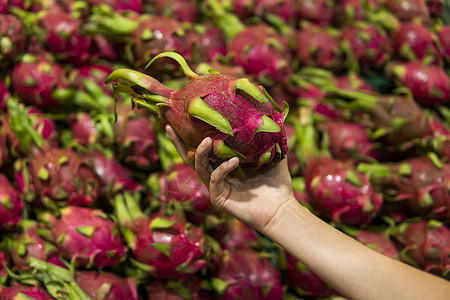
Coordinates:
(366, 45)
(4, 263)
(6, 5)
(408, 10)
(319, 12)
(420, 182)
(426, 245)
(233, 234)
(118, 5)
(443, 34)
(22, 291)
(13, 39)
(180, 10)
(11, 206)
(4, 95)
(87, 237)
(429, 84)
(206, 107)
(107, 286)
(349, 11)
(317, 46)
(35, 81)
(305, 282)
(246, 274)
(207, 42)
(165, 247)
(188, 287)
(31, 242)
(285, 10)
(414, 41)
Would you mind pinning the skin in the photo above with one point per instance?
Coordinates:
(353, 269)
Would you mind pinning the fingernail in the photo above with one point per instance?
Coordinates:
(231, 161)
(203, 144)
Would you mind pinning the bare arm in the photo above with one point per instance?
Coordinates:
(266, 202)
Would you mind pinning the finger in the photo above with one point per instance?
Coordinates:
(218, 188)
(178, 143)
(202, 162)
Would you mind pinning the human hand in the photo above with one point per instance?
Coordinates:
(257, 200)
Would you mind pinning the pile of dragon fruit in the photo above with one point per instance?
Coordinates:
(96, 203)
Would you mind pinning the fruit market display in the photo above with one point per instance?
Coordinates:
(95, 202)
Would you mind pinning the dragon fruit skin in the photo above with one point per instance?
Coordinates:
(317, 47)
(207, 42)
(443, 34)
(181, 10)
(247, 275)
(35, 82)
(87, 237)
(206, 106)
(378, 241)
(414, 41)
(63, 38)
(188, 287)
(429, 84)
(340, 193)
(107, 286)
(4, 263)
(261, 51)
(83, 128)
(286, 10)
(4, 95)
(367, 43)
(348, 11)
(426, 244)
(305, 282)
(319, 12)
(117, 5)
(233, 234)
(60, 176)
(12, 34)
(96, 73)
(408, 10)
(11, 206)
(30, 243)
(27, 291)
(6, 4)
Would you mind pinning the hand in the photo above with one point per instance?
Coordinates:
(256, 200)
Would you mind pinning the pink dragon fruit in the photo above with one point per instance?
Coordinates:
(35, 81)
(378, 241)
(435, 7)
(83, 128)
(366, 45)
(246, 274)
(349, 11)
(87, 237)
(420, 182)
(303, 281)
(429, 84)
(348, 140)
(6, 5)
(353, 81)
(207, 42)
(13, 37)
(4, 263)
(317, 46)
(319, 12)
(188, 287)
(107, 286)
(4, 151)
(118, 5)
(414, 41)
(285, 10)
(180, 10)
(426, 245)
(408, 10)
(243, 9)
(443, 34)
(31, 242)
(165, 247)
(11, 206)
(262, 51)
(19, 291)
(206, 107)
(232, 235)
(4, 95)
(87, 77)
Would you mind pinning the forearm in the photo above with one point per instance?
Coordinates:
(353, 269)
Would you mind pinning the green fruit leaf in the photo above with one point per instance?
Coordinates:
(86, 230)
(161, 223)
(163, 248)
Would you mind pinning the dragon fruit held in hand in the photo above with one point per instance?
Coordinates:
(241, 118)
(87, 237)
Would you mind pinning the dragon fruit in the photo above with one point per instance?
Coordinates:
(435, 7)
(425, 244)
(165, 247)
(181, 10)
(106, 285)
(118, 5)
(303, 281)
(4, 263)
(6, 5)
(408, 10)
(87, 237)
(285, 10)
(19, 291)
(88, 77)
(317, 46)
(13, 38)
(415, 41)
(83, 128)
(319, 12)
(233, 234)
(31, 242)
(336, 190)
(246, 274)
(366, 45)
(443, 34)
(420, 182)
(243, 9)
(188, 287)
(429, 84)
(4, 95)
(349, 11)
(199, 109)
(262, 51)
(11, 206)
(35, 81)
(207, 42)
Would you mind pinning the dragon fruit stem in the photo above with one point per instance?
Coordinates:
(180, 60)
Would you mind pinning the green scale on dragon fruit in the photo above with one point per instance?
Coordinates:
(242, 119)
(337, 191)
(87, 237)
(166, 247)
